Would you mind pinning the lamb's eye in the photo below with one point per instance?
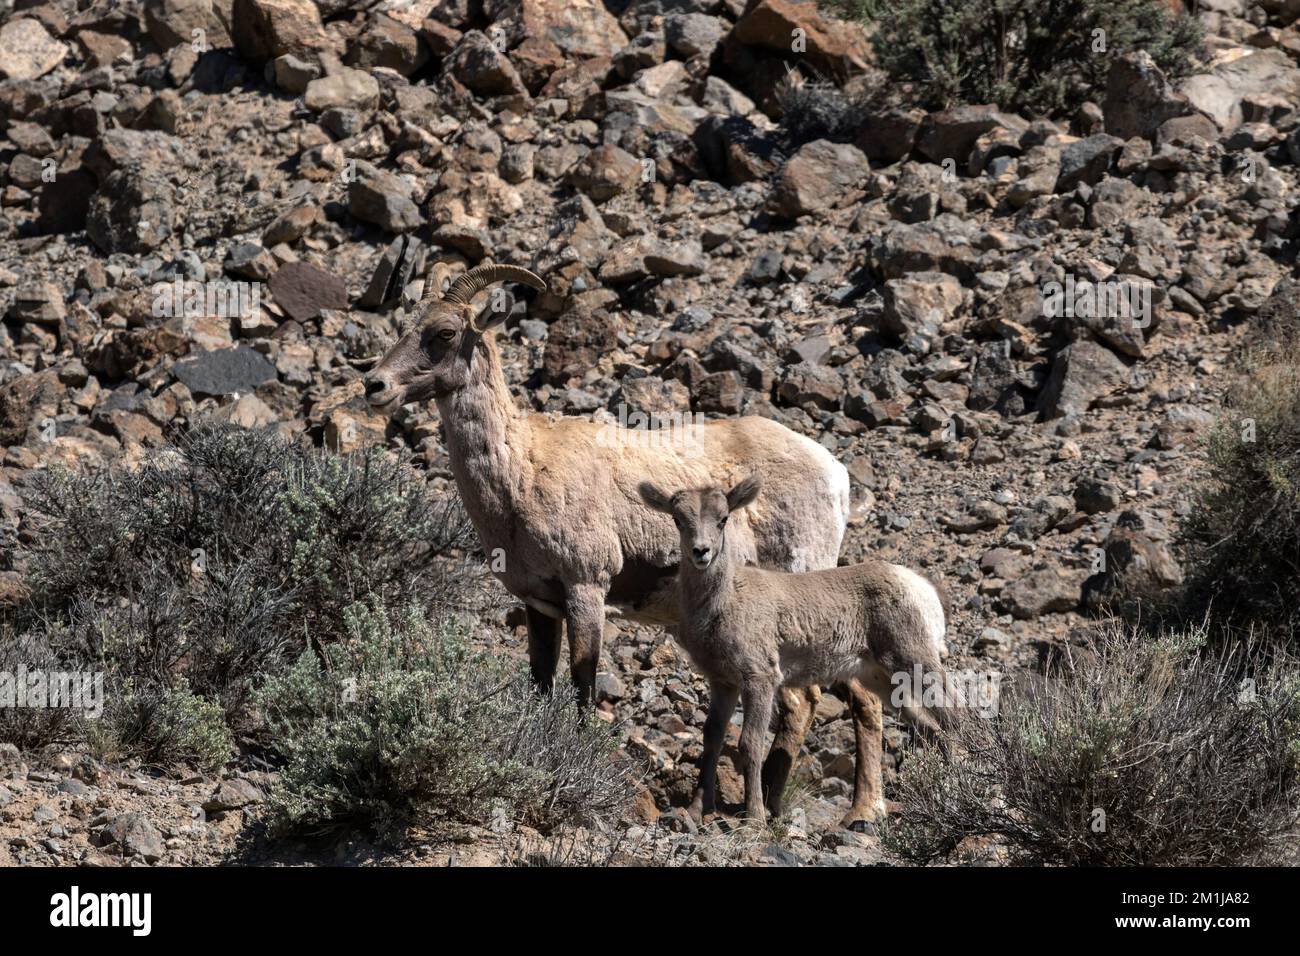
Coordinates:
(722, 523)
(447, 334)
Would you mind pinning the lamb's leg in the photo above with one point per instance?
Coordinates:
(795, 709)
(585, 616)
(722, 704)
(543, 647)
(868, 728)
(757, 696)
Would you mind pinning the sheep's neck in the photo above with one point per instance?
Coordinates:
(706, 593)
(487, 440)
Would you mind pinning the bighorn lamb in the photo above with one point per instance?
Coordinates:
(751, 631)
(559, 496)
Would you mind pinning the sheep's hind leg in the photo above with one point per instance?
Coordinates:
(795, 709)
(722, 704)
(585, 616)
(543, 647)
(868, 728)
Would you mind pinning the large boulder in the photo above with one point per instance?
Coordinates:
(1139, 99)
(832, 47)
(27, 50)
(820, 175)
(1258, 82)
(583, 28)
(265, 29)
(1082, 373)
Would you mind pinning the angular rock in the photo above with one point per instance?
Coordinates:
(346, 89)
(950, 134)
(1086, 161)
(605, 172)
(482, 68)
(833, 47)
(27, 51)
(817, 177)
(265, 29)
(303, 290)
(224, 371)
(1139, 98)
(919, 304)
(134, 211)
(1047, 591)
(1082, 373)
(383, 199)
(136, 835)
(694, 34)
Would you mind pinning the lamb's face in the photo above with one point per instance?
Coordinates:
(701, 516)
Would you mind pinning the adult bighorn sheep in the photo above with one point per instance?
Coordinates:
(752, 630)
(559, 495)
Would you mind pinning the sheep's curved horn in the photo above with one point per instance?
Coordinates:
(433, 280)
(480, 277)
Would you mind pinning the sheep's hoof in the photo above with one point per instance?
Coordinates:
(863, 819)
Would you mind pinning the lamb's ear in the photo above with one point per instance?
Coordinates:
(655, 498)
(500, 303)
(744, 493)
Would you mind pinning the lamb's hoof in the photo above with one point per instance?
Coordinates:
(863, 820)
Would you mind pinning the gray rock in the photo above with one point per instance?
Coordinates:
(817, 177)
(1086, 161)
(1047, 591)
(1139, 98)
(383, 199)
(232, 794)
(224, 371)
(303, 290)
(694, 34)
(1082, 373)
(135, 835)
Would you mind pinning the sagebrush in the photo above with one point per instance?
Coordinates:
(1040, 56)
(188, 578)
(1241, 538)
(1137, 751)
(407, 722)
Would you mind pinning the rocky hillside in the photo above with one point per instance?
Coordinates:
(888, 294)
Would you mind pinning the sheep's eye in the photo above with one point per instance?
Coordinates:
(447, 334)
(722, 523)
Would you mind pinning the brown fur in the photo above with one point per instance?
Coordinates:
(752, 630)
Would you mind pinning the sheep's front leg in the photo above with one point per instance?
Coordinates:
(795, 710)
(722, 704)
(757, 697)
(868, 731)
(543, 647)
(585, 615)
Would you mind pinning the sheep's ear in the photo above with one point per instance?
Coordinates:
(744, 493)
(500, 303)
(655, 498)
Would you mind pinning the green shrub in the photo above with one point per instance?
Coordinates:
(1034, 55)
(406, 722)
(1241, 537)
(1142, 752)
(161, 726)
(214, 563)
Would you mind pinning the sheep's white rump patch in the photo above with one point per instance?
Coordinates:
(927, 602)
(834, 478)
